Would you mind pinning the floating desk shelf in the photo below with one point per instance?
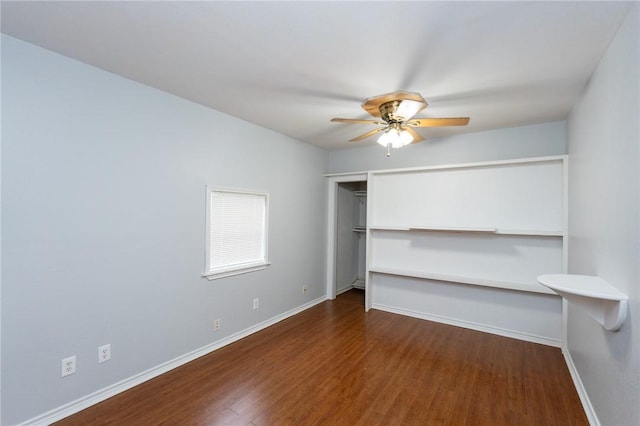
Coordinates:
(603, 302)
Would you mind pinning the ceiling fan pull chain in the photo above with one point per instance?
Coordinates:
(389, 150)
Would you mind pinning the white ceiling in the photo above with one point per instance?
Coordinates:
(292, 66)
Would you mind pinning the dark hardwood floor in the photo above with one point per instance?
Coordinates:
(333, 364)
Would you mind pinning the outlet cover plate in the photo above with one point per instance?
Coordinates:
(68, 366)
(104, 353)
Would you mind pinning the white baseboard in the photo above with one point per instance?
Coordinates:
(472, 325)
(112, 390)
(343, 290)
(582, 392)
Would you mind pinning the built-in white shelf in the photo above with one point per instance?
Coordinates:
(530, 232)
(464, 229)
(603, 302)
(533, 287)
(451, 229)
(430, 228)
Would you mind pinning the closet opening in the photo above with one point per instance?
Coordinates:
(351, 221)
(348, 227)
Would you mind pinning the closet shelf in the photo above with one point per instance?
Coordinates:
(464, 229)
(532, 288)
(359, 228)
(603, 302)
(360, 193)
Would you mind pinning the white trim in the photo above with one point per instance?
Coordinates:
(551, 158)
(344, 290)
(237, 271)
(457, 165)
(86, 401)
(368, 277)
(582, 392)
(346, 175)
(565, 248)
(528, 337)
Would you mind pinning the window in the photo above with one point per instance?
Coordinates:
(236, 232)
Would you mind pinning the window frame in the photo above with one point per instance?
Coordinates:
(237, 268)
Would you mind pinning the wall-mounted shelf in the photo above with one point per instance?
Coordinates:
(451, 229)
(429, 228)
(530, 232)
(464, 229)
(603, 302)
(533, 288)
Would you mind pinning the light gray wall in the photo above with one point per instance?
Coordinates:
(503, 144)
(603, 140)
(103, 196)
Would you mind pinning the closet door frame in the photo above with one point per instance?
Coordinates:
(332, 210)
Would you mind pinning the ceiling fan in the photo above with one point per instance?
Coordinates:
(397, 111)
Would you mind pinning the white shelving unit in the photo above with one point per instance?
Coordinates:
(495, 224)
(463, 244)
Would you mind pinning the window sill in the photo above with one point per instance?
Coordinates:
(236, 271)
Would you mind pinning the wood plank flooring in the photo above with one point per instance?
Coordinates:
(334, 364)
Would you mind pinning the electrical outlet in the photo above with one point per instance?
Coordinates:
(256, 303)
(304, 289)
(216, 324)
(104, 353)
(68, 366)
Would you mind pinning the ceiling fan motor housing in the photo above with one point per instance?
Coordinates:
(395, 107)
(388, 112)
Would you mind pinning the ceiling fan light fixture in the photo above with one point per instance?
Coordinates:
(396, 138)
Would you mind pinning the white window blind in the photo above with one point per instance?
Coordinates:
(236, 232)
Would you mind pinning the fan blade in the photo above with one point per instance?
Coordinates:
(438, 122)
(356, 121)
(369, 133)
(417, 137)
